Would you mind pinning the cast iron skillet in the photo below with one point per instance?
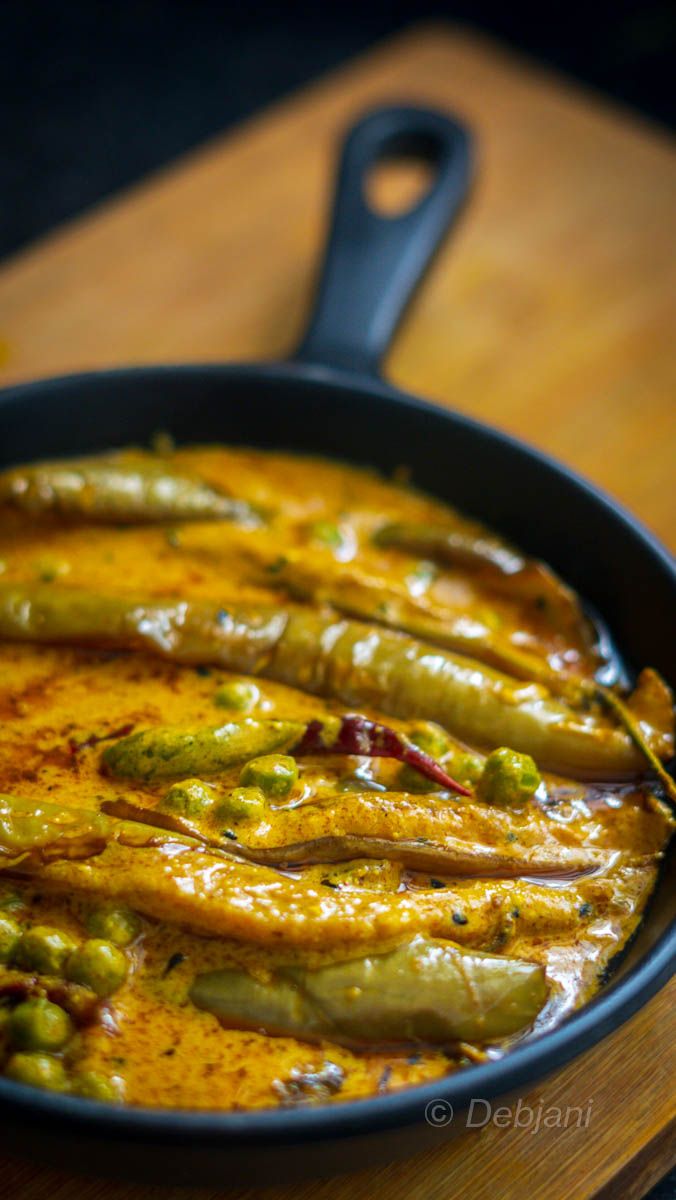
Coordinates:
(330, 399)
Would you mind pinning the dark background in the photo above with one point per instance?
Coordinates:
(94, 95)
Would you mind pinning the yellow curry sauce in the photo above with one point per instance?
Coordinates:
(558, 876)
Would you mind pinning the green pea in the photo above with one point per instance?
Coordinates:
(98, 965)
(242, 803)
(37, 1070)
(466, 768)
(409, 780)
(10, 932)
(119, 925)
(432, 740)
(328, 533)
(508, 777)
(190, 798)
(38, 1024)
(92, 1085)
(239, 695)
(44, 949)
(274, 774)
(429, 737)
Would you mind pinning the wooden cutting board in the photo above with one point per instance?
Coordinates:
(548, 313)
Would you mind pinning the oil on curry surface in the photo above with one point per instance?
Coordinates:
(311, 787)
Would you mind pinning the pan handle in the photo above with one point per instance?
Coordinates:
(373, 262)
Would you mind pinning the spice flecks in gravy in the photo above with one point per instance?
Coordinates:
(304, 543)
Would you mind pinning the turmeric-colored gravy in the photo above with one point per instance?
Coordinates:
(204, 905)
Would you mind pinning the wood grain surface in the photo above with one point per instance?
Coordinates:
(548, 312)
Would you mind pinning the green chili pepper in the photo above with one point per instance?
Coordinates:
(166, 752)
(426, 990)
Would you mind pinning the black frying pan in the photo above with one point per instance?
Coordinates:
(330, 399)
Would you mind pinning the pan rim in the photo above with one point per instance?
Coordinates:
(525, 1064)
(344, 380)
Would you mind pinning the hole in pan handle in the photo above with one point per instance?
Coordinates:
(373, 262)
